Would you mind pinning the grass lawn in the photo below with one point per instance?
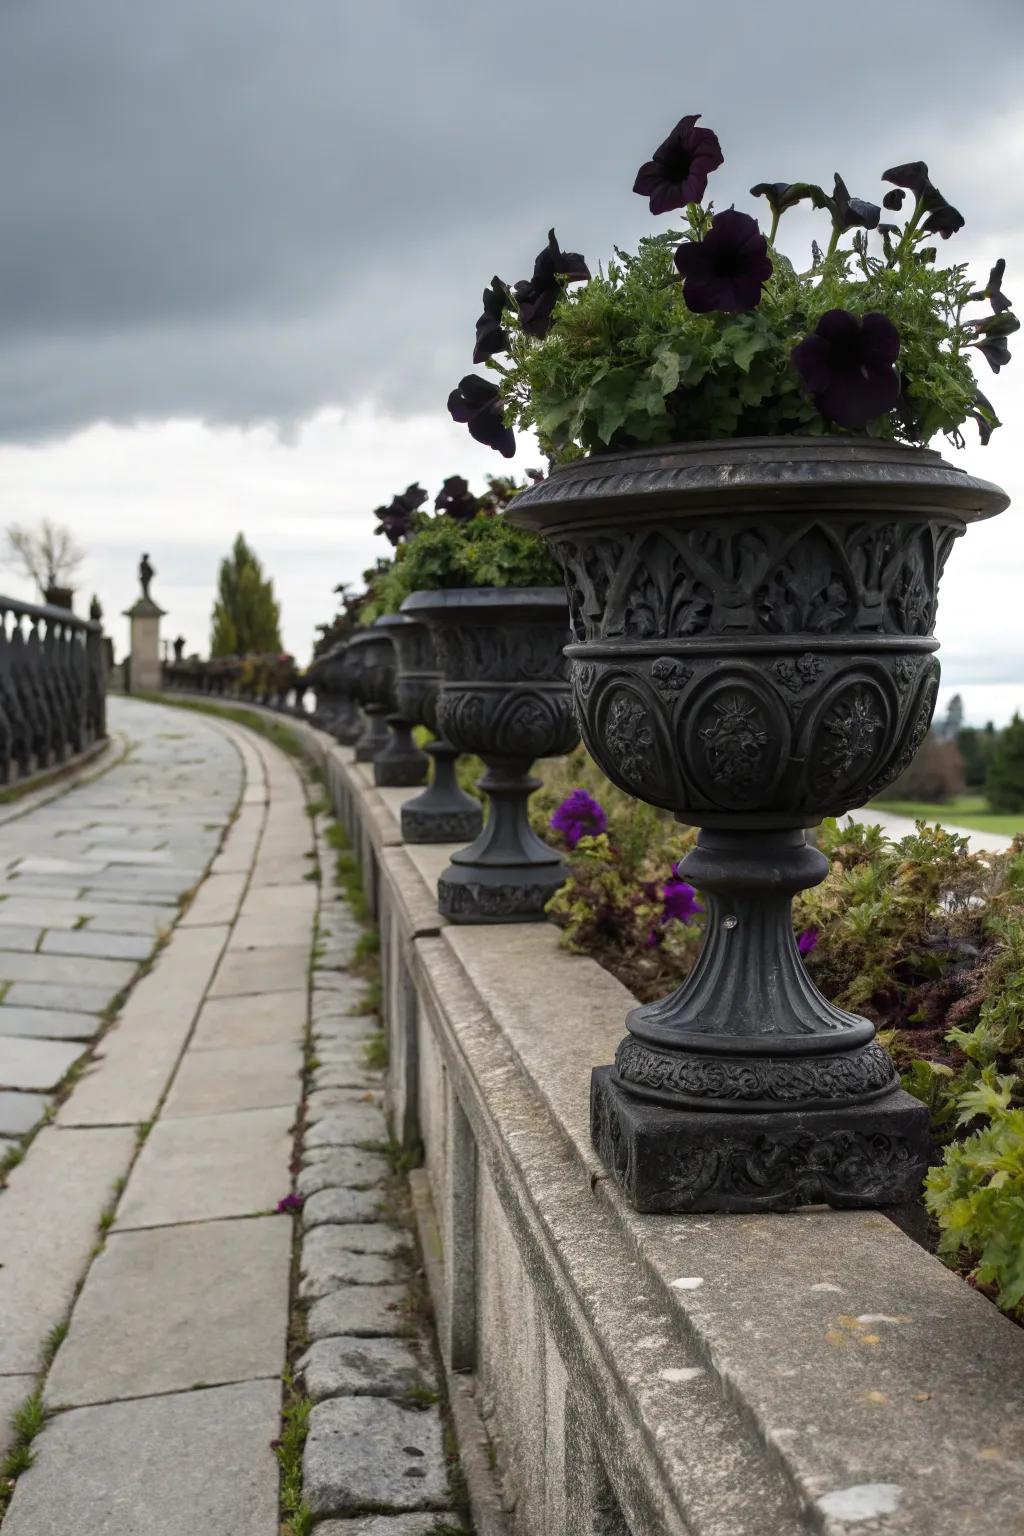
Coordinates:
(965, 811)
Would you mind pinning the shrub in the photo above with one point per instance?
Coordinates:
(1004, 783)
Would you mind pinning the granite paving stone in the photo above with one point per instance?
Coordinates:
(67, 970)
(348, 1072)
(189, 1463)
(226, 1022)
(216, 901)
(49, 1217)
(21, 936)
(367, 1451)
(276, 968)
(209, 1167)
(336, 1167)
(34, 1064)
(47, 1023)
(19, 1112)
(337, 1206)
(87, 941)
(70, 999)
(325, 1271)
(188, 1306)
(370, 1311)
(248, 1077)
(344, 1367)
(349, 1127)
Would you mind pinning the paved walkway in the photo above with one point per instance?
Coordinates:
(144, 1272)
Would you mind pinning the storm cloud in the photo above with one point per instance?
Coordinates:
(251, 210)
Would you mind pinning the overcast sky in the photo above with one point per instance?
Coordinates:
(244, 243)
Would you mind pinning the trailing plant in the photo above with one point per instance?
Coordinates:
(711, 330)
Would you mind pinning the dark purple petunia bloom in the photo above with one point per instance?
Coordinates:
(477, 403)
(944, 221)
(894, 200)
(849, 367)
(807, 941)
(728, 268)
(913, 176)
(491, 336)
(395, 521)
(679, 901)
(993, 290)
(290, 1203)
(455, 499)
(679, 170)
(538, 297)
(579, 815)
(852, 212)
(994, 350)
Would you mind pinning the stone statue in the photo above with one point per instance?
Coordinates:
(146, 574)
(179, 646)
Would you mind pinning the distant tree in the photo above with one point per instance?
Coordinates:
(246, 618)
(48, 554)
(936, 773)
(1004, 784)
(976, 748)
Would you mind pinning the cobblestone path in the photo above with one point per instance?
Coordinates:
(151, 1081)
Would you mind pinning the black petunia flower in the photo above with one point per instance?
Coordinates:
(491, 336)
(849, 367)
(991, 337)
(395, 521)
(679, 170)
(943, 219)
(783, 195)
(993, 290)
(894, 200)
(538, 297)
(852, 212)
(456, 500)
(477, 403)
(728, 268)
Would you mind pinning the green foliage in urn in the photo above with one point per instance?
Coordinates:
(711, 330)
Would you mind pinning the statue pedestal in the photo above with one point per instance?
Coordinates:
(145, 671)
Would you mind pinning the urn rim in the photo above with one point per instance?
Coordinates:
(454, 603)
(762, 474)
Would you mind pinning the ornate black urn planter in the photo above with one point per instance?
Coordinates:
(444, 813)
(331, 677)
(401, 763)
(503, 695)
(752, 649)
(373, 661)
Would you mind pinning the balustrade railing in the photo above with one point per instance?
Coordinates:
(52, 687)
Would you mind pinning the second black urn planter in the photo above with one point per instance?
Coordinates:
(753, 649)
(504, 695)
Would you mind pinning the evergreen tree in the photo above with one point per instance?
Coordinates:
(246, 618)
(953, 723)
(1004, 785)
(976, 748)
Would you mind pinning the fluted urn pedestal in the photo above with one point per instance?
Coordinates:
(504, 695)
(752, 649)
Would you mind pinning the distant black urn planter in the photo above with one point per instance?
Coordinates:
(504, 695)
(401, 764)
(373, 660)
(444, 813)
(331, 678)
(752, 649)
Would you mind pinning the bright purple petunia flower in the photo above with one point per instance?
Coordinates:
(678, 172)
(679, 901)
(849, 367)
(728, 268)
(579, 815)
(477, 403)
(807, 941)
(290, 1203)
